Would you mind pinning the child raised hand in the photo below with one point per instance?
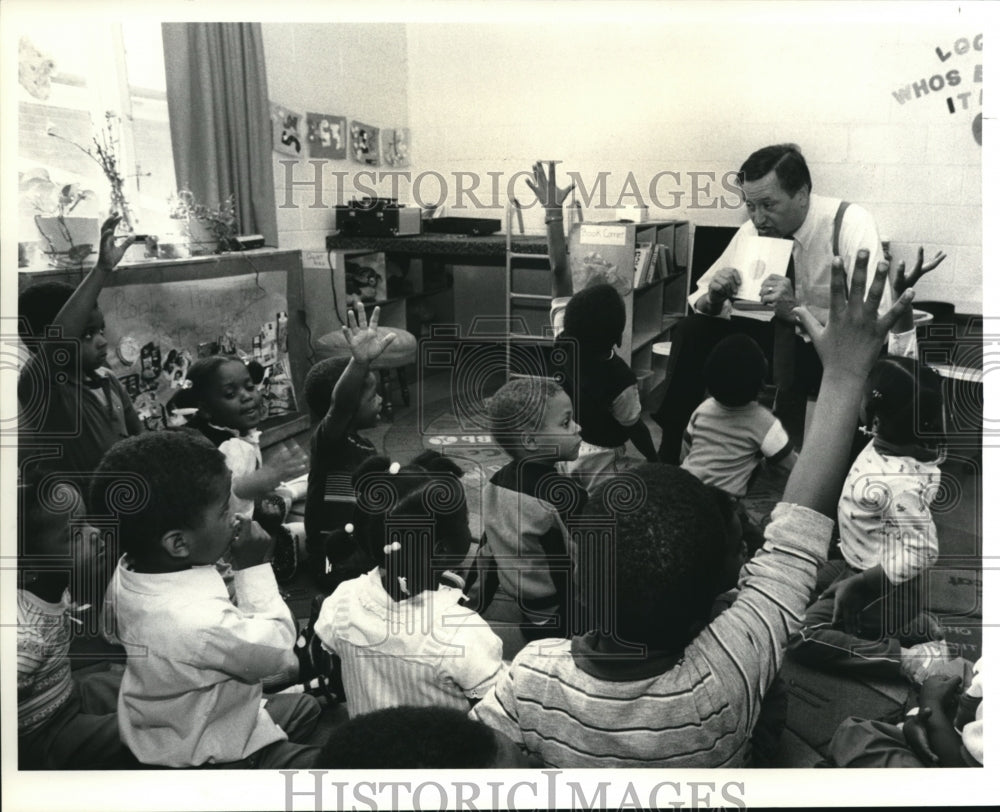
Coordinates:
(552, 197)
(363, 337)
(848, 346)
(110, 254)
(901, 281)
(548, 193)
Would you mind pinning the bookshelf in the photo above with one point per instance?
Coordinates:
(651, 309)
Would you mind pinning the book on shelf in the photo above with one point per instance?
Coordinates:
(657, 264)
(669, 265)
(643, 256)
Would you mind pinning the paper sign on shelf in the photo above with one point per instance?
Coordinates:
(603, 235)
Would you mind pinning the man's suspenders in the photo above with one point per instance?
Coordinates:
(837, 222)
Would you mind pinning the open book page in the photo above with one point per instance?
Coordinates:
(756, 259)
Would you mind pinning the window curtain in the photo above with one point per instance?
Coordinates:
(220, 119)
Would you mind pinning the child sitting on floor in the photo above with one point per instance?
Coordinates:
(656, 686)
(869, 616)
(192, 691)
(64, 722)
(72, 398)
(600, 383)
(229, 410)
(523, 563)
(400, 631)
(730, 434)
(343, 398)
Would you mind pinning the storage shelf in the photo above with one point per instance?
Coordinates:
(408, 298)
(648, 286)
(653, 307)
(642, 340)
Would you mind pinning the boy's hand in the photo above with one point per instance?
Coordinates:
(286, 466)
(549, 195)
(364, 340)
(849, 600)
(915, 734)
(850, 342)
(941, 690)
(900, 280)
(112, 254)
(251, 546)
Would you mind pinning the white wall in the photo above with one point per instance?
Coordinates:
(357, 70)
(649, 96)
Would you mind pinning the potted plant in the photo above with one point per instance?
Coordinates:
(104, 152)
(67, 240)
(208, 230)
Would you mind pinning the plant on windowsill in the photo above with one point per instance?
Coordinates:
(67, 240)
(104, 152)
(209, 230)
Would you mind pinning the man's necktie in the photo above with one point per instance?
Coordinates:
(784, 340)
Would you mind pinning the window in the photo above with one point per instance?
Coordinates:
(97, 67)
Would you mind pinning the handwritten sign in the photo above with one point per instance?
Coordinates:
(603, 234)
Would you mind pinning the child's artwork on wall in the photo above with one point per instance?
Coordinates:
(160, 328)
(365, 278)
(364, 143)
(327, 136)
(286, 130)
(396, 146)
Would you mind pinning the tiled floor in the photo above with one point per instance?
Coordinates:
(817, 701)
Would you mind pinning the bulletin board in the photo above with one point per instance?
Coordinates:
(183, 304)
(185, 319)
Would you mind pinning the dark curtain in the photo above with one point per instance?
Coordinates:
(220, 119)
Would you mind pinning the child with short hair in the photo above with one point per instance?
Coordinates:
(869, 615)
(73, 399)
(523, 563)
(658, 687)
(730, 433)
(603, 388)
(192, 692)
(343, 398)
(64, 721)
(400, 631)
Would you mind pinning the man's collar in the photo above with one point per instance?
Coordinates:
(804, 232)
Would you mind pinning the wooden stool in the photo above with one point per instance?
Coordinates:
(399, 354)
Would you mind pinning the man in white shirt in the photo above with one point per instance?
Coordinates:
(777, 189)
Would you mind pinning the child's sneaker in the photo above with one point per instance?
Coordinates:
(924, 660)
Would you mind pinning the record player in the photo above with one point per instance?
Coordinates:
(376, 217)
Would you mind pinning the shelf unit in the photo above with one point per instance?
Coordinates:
(651, 310)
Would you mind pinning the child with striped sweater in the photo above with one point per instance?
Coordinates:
(661, 684)
(64, 721)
